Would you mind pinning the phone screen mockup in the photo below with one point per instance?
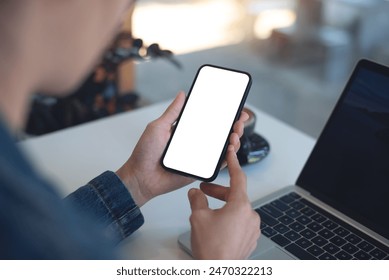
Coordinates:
(199, 141)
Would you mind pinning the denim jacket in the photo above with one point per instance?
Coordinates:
(35, 223)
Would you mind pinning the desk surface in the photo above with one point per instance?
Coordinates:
(72, 157)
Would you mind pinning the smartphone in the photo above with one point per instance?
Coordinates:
(200, 137)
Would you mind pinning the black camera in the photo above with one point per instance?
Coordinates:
(253, 147)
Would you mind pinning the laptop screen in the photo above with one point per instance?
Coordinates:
(349, 166)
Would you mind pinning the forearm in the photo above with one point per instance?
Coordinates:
(107, 200)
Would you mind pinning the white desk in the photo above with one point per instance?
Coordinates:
(72, 157)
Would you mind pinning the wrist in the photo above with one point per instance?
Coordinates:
(133, 185)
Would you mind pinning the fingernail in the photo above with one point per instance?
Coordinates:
(191, 192)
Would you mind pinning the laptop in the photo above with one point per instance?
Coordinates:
(339, 206)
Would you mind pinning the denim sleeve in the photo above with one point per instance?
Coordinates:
(108, 201)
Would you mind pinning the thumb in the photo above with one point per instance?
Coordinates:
(197, 200)
(173, 111)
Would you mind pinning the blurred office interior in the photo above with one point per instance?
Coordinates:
(299, 52)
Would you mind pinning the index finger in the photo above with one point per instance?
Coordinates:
(238, 180)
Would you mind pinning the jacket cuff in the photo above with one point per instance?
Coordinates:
(111, 203)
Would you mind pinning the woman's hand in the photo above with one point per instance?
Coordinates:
(143, 174)
(230, 232)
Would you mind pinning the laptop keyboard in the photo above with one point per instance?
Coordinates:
(309, 232)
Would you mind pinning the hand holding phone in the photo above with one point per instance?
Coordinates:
(199, 141)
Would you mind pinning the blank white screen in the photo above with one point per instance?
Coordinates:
(207, 119)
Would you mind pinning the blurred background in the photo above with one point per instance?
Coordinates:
(299, 52)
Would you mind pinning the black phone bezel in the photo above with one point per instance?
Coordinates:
(222, 155)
